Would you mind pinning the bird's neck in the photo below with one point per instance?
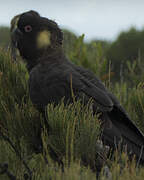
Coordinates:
(48, 56)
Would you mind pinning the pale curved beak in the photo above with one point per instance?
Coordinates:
(15, 35)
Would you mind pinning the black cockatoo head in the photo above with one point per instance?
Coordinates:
(34, 35)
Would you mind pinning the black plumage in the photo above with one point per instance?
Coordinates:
(53, 77)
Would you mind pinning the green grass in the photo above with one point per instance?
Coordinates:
(74, 134)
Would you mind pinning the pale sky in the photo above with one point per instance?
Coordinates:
(97, 19)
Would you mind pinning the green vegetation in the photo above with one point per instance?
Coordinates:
(128, 47)
(4, 36)
(74, 135)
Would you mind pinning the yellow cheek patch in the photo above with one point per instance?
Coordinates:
(43, 39)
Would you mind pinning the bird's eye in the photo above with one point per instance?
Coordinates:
(28, 28)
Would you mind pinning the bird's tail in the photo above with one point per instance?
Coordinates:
(119, 129)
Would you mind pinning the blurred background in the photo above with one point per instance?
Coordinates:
(95, 18)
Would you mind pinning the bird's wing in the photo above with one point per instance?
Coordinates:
(117, 108)
(96, 82)
(121, 124)
(90, 76)
(79, 84)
